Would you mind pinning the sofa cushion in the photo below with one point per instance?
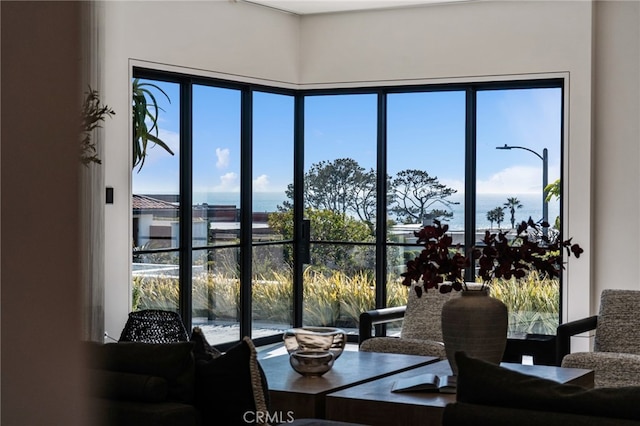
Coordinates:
(109, 412)
(231, 387)
(171, 361)
(463, 414)
(480, 382)
(128, 386)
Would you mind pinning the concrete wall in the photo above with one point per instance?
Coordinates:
(469, 41)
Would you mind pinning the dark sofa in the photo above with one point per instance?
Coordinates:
(488, 394)
(143, 384)
(179, 384)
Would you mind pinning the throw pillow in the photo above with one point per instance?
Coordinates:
(480, 382)
(231, 389)
(202, 350)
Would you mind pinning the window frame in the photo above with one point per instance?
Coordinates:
(246, 243)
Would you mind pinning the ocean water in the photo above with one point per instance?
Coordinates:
(531, 206)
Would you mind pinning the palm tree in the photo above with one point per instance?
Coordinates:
(512, 204)
(495, 215)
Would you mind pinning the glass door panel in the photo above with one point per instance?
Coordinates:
(518, 153)
(426, 168)
(340, 202)
(272, 218)
(216, 212)
(155, 206)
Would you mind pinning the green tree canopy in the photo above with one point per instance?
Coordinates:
(329, 226)
(342, 186)
(415, 192)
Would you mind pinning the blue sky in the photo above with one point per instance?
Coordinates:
(425, 131)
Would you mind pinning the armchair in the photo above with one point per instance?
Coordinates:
(616, 355)
(421, 332)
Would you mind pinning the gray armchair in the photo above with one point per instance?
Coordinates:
(421, 332)
(616, 355)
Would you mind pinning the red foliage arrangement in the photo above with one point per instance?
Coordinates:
(439, 266)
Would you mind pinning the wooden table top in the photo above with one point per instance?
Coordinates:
(380, 390)
(351, 368)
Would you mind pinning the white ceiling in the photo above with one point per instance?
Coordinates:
(307, 7)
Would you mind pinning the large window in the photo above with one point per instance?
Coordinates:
(284, 208)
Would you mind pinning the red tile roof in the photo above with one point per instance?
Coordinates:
(143, 202)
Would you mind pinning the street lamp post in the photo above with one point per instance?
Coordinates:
(545, 172)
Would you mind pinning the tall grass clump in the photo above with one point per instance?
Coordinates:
(532, 302)
(330, 298)
(272, 298)
(155, 292)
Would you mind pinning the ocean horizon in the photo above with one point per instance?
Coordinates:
(267, 202)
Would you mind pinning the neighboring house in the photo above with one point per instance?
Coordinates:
(156, 217)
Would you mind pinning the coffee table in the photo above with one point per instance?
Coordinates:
(295, 396)
(374, 404)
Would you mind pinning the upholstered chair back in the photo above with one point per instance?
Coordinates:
(422, 319)
(618, 327)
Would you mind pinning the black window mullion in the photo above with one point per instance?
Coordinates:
(381, 211)
(470, 178)
(561, 210)
(186, 201)
(298, 209)
(246, 217)
(381, 204)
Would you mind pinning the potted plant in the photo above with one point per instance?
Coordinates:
(477, 323)
(145, 121)
(531, 249)
(441, 267)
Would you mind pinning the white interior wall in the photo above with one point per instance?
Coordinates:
(616, 111)
(451, 42)
(221, 38)
(477, 41)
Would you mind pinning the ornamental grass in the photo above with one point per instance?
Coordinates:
(333, 298)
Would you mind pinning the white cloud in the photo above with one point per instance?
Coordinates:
(514, 180)
(261, 183)
(228, 183)
(223, 158)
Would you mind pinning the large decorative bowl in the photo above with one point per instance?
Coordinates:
(311, 363)
(315, 339)
(313, 350)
